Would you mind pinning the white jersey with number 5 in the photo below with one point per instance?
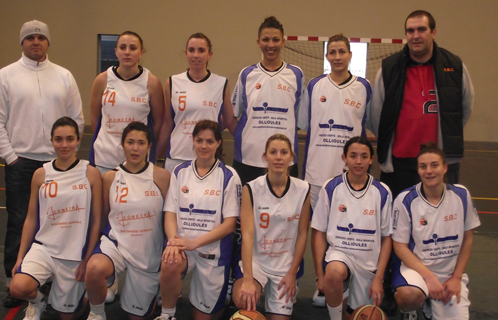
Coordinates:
(202, 203)
(64, 207)
(276, 223)
(136, 218)
(354, 221)
(192, 102)
(434, 233)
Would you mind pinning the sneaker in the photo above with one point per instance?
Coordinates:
(111, 292)
(9, 301)
(409, 315)
(34, 310)
(165, 317)
(93, 316)
(318, 299)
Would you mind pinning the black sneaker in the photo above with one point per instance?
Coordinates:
(9, 301)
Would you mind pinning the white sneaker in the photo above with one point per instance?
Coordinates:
(164, 317)
(93, 316)
(34, 310)
(318, 299)
(409, 315)
(111, 292)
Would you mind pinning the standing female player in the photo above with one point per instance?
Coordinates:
(191, 96)
(133, 238)
(266, 99)
(122, 94)
(334, 105)
(201, 208)
(433, 236)
(274, 219)
(353, 224)
(61, 229)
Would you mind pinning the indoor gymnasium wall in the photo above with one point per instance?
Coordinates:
(463, 27)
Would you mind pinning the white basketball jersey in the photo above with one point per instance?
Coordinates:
(276, 223)
(123, 101)
(267, 103)
(192, 102)
(354, 221)
(64, 206)
(333, 114)
(434, 233)
(202, 203)
(136, 218)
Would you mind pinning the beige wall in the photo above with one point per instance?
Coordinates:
(463, 27)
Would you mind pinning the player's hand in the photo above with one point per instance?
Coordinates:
(80, 271)
(452, 287)
(289, 284)
(376, 292)
(16, 266)
(183, 244)
(436, 289)
(249, 294)
(173, 254)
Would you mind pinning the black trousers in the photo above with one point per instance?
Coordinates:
(17, 190)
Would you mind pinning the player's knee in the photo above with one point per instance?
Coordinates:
(169, 270)
(335, 274)
(409, 298)
(95, 270)
(21, 289)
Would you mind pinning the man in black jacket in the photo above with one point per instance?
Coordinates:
(423, 93)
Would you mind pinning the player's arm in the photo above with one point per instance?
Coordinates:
(436, 290)
(74, 106)
(453, 285)
(156, 103)
(318, 248)
(161, 179)
(224, 229)
(229, 120)
(376, 103)
(289, 280)
(467, 95)
(167, 123)
(248, 290)
(31, 222)
(107, 180)
(6, 150)
(376, 288)
(93, 176)
(98, 87)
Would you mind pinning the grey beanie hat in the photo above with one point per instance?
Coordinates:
(34, 27)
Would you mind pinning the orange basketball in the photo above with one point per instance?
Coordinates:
(247, 315)
(368, 312)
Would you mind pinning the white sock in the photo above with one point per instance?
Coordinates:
(335, 313)
(98, 309)
(39, 297)
(168, 312)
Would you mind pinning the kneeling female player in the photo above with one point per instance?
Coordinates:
(274, 220)
(352, 218)
(202, 206)
(61, 229)
(433, 235)
(133, 239)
